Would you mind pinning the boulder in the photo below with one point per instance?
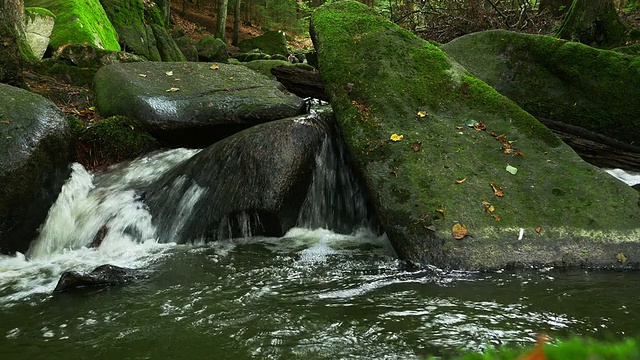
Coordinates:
(251, 183)
(79, 22)
(633, 49)
(103, 275)
(141, 30)
(271, 42)
(34, 163)
(459, 175)
(251, 56)
(264, 66)
(86, 56)
(558, 80)
(187, 47)
(38, 27)
(211, 49)
(192, 104)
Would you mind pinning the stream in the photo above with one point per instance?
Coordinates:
(312, 294)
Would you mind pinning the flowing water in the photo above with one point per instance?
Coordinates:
(311, 294)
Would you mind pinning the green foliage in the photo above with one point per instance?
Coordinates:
(575, 349)
(109, 141)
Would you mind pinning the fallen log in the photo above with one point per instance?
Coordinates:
(304, 83)
(596, 149)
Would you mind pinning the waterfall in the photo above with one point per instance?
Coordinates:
(104, 207)
(335, 200)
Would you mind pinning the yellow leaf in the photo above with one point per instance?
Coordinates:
(621, 258)
(459, 231)
(214, 67)
(461, 181)
(442, 211)
(169, 73)
(396, 137)
(488, 207)
(131, 126)
(422, 114)
(173, 89)
(142, 75)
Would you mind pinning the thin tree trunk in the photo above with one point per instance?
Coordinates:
(221, 21)
(12, 40)
(236, 23)
(593, 22)
(165, 10)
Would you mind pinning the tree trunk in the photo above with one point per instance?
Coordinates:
(12, 41)
(236, 23)
(221, 21)
(165, 10)
(593, 22)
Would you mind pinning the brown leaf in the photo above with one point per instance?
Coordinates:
(5, 122)
(416, 146)
(459, 128)
(497, 191)
(518, 153)
(538, 229)
(488, 207)
(479, 126)
(459, 231)
(496, 217)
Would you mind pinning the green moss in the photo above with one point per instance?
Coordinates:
(31, 12)
(79, 22)
(111, 140)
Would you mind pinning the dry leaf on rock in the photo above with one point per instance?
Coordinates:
(459, 231)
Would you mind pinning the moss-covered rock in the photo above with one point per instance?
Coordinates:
(271, 42)
(212, 49)
(79, 22)
(110, 141)
(141, 30)
(466, 156)
(629, 50)
(252, 55)
(187, 47)
(192, 104)
(34, 163)
(559, 80)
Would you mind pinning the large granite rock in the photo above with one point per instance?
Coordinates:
(460, 176)
(141, 29)
(251, 183)
(34, 163)
(564, 81)
(192, 104)
(38, 27)
(79, 22)
(211, 49)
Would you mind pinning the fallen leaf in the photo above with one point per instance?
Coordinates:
(459, 128)
(538, 352)
(461, 181)
(131, 126)
(479, 126)
(142, 75)
(621, 258)
(396, 137)
(394, 172)
(512, 170)
(496, 217)
(416, 146)
(422, 114)
(169, 73)
(488, 207)
(497, 191)
(442, 211)
(173, 89)
(538, 229)
(5, 122)
(459, 231)
(214, 67)
(492, 133)
(518, 153)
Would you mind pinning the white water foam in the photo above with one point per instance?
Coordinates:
(86, 203)
(629, 177)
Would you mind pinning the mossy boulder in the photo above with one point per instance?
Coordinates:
(111, 140)
(38, 27)
(192, 104)
(187, 47)
(34, 163)
(439, 149)
(251, 183)
(252, 55)
(271, 42)
(79, 22)
(211, 49)
(559, 80)
(629, 50)
(141, 29)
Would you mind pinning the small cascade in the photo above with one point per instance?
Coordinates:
(336, 200)
(105, 210)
